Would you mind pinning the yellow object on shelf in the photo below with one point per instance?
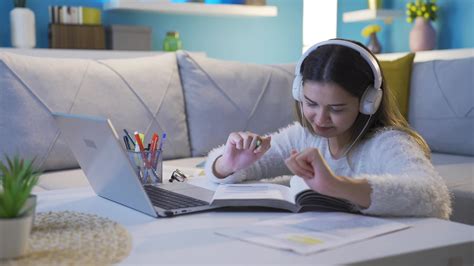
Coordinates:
(368, 30)
(375, 4)
(91, 16)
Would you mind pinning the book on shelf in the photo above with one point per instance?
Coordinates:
(77, 15)
(297, 197)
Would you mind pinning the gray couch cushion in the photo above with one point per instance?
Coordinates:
(441, 104)
(141, 94)
(223, 96)
(458, 173)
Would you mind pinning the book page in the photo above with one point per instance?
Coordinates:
(253, 191)
(297, 184)
(313, 231)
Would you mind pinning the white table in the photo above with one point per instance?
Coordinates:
(190, 239)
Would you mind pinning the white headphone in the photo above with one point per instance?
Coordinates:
(370, 100)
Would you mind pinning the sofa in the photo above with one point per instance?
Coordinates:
(199, 100)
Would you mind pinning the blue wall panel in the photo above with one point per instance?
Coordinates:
(247, 39)
(262, 39)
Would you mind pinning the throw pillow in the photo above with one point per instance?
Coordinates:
(223, 97)
(142, 94)
(397, 74)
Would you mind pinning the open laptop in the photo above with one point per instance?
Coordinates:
(96, 146)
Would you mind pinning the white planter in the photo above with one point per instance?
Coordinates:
(14, 235)
(23, 33)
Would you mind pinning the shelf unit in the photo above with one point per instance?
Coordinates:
(371, 14)
(193, 8)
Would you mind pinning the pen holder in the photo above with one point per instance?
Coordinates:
(148, 166)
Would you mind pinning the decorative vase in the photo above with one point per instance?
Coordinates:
(374, 44)
(22, 22)
(422, 35)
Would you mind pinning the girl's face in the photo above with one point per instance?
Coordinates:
(329, 108)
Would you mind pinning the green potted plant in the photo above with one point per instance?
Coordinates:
(17, 179)
(427, 10)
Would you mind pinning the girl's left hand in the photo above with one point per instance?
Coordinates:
(310, 165)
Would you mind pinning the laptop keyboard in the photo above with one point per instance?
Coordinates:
(169, 200)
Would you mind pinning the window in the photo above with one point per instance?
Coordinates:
(319, 21)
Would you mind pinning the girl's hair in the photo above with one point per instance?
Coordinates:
(345, 67)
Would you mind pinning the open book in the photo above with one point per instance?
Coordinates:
(295, 198)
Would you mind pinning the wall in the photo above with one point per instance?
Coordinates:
(453, 26)
(267, 40)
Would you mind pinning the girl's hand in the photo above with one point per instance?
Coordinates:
(310, 165)
(241, 150)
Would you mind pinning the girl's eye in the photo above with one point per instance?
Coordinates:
(337, 110)
(311, 104)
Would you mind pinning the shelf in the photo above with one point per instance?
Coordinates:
(371, 14)
(193, 8)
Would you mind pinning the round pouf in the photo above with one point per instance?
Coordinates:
(75, 238)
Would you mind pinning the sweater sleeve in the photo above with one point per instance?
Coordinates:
(403, 180)
(272, 163)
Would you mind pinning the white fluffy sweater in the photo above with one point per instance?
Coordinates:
(403, 180)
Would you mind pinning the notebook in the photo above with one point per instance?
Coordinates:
(98, 150)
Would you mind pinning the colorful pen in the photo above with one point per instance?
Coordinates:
(142, 149)
(154, 143)
(130, 137)
(160, 149)
(163, 137)
(127, 143)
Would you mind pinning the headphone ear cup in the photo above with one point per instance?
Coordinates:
(370, 100)
(297, 88)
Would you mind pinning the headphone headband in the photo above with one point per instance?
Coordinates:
(372, 96)
(364, 53)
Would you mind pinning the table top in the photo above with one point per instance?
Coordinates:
(191, 238)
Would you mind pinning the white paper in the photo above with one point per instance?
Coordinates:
(313, 231)
(297, 184)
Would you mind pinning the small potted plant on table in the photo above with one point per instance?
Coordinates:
(17, 204)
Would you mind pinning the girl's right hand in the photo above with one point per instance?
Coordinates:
(240, 152)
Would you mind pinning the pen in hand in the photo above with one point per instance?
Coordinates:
(258, 144)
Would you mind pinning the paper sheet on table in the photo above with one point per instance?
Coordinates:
(313, 231)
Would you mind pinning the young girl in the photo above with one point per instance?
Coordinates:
(351, 141)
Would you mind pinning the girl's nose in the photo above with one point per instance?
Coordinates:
(322, 117)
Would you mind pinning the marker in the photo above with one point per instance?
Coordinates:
(154, 143)
(142, 149)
